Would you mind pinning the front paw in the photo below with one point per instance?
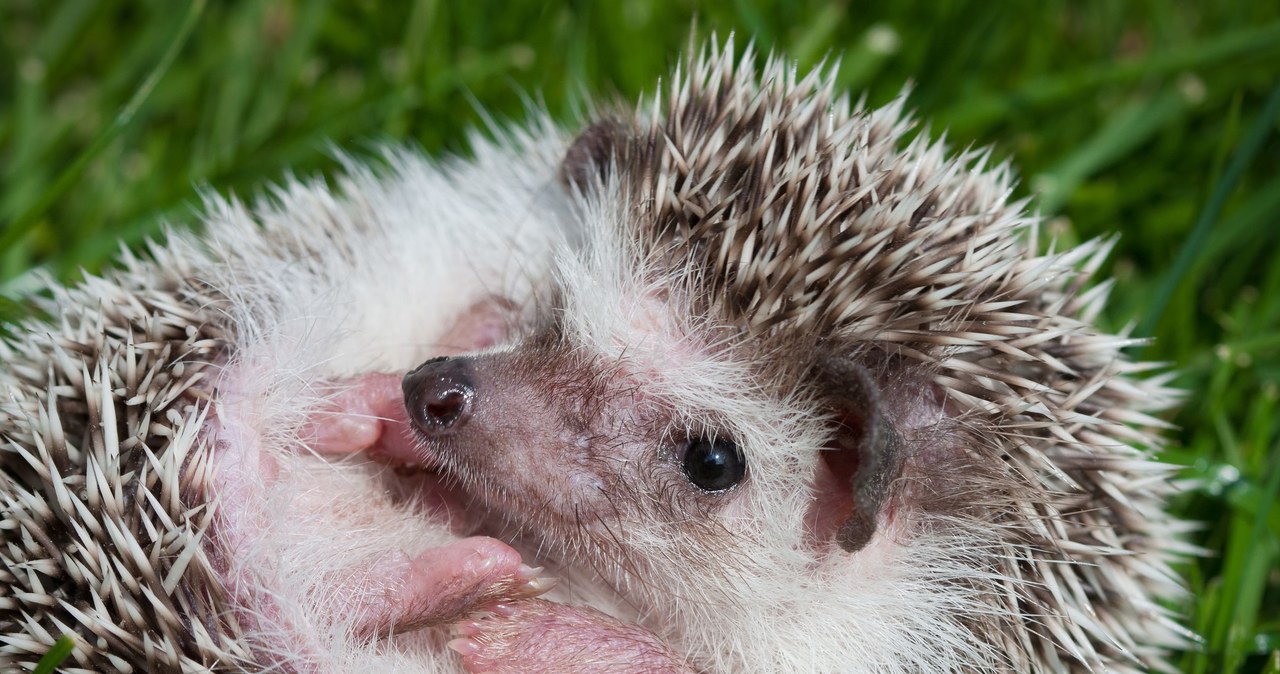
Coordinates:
(541, 636)
(445, 584)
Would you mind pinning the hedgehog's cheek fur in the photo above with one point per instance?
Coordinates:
(268, 497)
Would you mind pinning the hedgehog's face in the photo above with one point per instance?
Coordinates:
(628, 435)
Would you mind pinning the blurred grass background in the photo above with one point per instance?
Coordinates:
(1155, 119)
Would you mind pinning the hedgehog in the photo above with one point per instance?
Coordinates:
(751, 377)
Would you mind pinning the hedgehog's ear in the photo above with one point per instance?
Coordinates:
(861, 461)
(592, 155)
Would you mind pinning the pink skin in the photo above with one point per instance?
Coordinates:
(541, 636)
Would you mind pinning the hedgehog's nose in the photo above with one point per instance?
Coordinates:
(439, 395)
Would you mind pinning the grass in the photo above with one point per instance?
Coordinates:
(1155, 119)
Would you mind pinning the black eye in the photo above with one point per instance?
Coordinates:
(714, 464)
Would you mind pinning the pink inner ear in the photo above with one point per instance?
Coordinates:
(833, 491)
(484, 324)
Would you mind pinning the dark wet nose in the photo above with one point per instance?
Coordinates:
(439, 395)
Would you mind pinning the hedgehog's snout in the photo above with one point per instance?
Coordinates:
(440, 395)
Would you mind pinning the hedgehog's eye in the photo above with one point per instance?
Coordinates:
(713, 464)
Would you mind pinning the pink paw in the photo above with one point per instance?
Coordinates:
(541, 636)
(447, 583)
(367, 414)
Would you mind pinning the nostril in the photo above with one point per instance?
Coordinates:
(446, 408)
(439, 395)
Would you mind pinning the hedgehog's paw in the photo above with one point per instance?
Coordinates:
(366, 413)
(447, 583)
(542, 636)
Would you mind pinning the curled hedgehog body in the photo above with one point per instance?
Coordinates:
(767, 383)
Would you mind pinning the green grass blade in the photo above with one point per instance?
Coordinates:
(1273, 663)
(59, 652)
